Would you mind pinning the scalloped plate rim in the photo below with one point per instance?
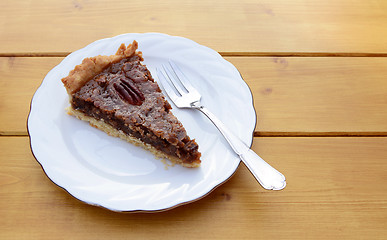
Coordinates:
(133, 209)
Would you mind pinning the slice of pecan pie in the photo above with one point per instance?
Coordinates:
(118, 95)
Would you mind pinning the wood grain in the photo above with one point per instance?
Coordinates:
(20, 77)
(335, 191)
(317, 95)
(292, 96)
(317, 72)
(302, 26)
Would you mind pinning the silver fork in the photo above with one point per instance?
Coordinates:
(184, 95)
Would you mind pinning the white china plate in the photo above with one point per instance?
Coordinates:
(108, 172)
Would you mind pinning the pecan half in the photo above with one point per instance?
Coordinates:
(129, 92)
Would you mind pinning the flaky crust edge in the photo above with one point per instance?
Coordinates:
(92, 66)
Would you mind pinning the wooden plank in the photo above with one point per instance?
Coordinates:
(343, 26)
(292, 96)
(317, 95)
(20, 77)
(335, 191)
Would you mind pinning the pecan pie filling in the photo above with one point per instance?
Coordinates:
(125, 96)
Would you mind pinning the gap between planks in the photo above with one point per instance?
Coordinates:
(267, 134)
(320, 134)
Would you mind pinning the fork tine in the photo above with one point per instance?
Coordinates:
(181, 77)
(166, 85)
(174, 80)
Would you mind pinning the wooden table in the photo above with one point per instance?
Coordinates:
(318, 73)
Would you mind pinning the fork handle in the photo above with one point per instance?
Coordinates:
(266, 175)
